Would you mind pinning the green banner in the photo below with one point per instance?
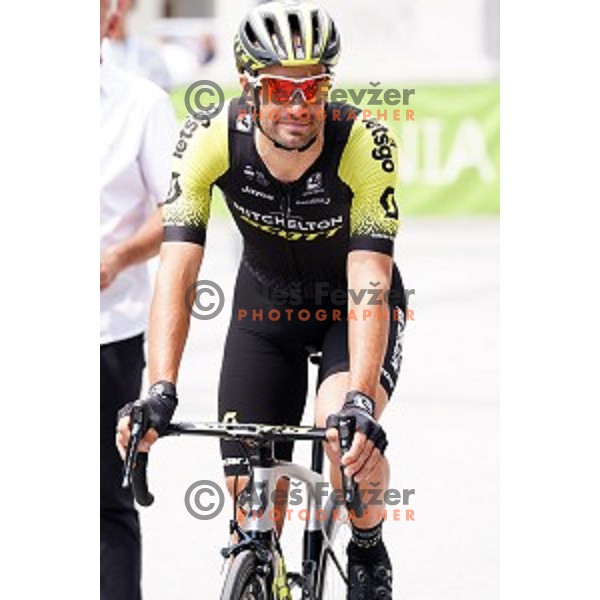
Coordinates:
(450, 152)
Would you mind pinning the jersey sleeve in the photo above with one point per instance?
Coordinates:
(369, 166)
(201, 156)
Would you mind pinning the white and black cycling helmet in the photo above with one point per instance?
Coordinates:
(286, 33)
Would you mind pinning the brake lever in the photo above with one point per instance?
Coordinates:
(136, 463)
(350, 486)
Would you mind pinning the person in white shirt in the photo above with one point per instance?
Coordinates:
(135, 54)
(136, 134)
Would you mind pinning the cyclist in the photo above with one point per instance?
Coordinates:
(311, 185)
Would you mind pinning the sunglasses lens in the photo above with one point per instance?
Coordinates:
(282, 90)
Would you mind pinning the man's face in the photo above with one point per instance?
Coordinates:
(292, 122)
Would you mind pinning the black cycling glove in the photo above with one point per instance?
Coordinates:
(361, 409)
(159, 404)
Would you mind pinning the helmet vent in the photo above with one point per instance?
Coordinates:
(333, 35)
(252, 37)
(297, 42)
(316, 33)
(275, 37)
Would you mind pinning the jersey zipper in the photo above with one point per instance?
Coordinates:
(286, 208)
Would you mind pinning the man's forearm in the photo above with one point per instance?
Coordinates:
(169, 316)
(368, 334)
(142, 245)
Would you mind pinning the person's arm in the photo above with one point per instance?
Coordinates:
(141, 246)
(369, 167)
(368, 334)
(200, 158)
(169, 317)
(167, 334)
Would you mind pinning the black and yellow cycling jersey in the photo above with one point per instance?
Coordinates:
(295, 233)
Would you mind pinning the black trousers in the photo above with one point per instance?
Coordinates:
(121, 366)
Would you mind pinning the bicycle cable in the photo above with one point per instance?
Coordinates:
(237, 494)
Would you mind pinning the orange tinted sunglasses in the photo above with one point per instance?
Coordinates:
(282, 90)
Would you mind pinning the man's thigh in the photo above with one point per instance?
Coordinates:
(335, 359)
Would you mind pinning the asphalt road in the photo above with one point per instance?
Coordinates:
(443, 423)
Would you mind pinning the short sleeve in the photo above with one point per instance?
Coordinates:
(200, 158)
(157, 141)
(369, 166)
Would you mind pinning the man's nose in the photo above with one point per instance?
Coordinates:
(297, 98)
(298, 110)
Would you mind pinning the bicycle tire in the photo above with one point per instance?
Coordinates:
(242, 581)
(331, 585)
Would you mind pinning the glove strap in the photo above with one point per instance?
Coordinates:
(163, 388)
(360, 400)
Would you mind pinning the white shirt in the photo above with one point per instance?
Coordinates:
(137, 134)
(139, 57)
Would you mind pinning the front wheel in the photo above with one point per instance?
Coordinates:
(243, 582)
(334, 563)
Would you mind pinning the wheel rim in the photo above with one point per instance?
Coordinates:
(333, 586)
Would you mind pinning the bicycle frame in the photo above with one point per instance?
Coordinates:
(258, 533)
(259, 520)
(264, 481)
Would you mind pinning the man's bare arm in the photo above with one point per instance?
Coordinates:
(169, 316)
(367, 337)
(141, 246)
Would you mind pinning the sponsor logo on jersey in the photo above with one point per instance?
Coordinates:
(253, 192)
(175, 189)
(388, 203)
(261, 179)
(244, 123)
(319, 200)
(314, 184)
(254, 175)
(293, 228)
(383, 144)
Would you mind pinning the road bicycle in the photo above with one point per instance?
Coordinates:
(257, 569)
